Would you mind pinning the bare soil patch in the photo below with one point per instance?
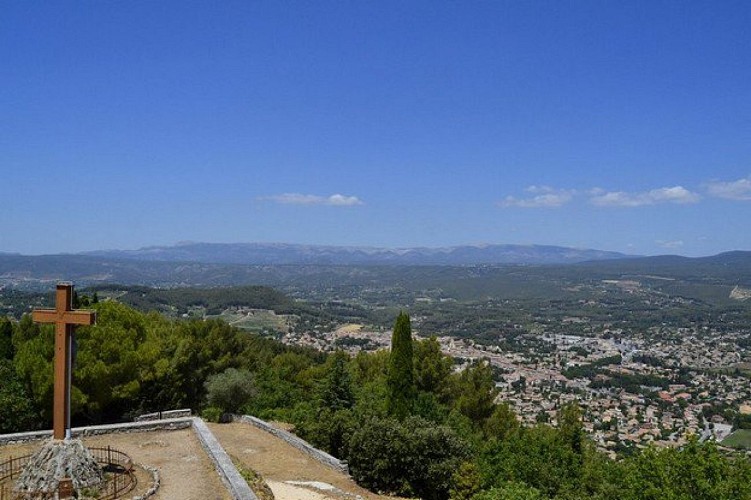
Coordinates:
(279, 462)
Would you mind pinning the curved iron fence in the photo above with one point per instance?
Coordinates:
(116, 465)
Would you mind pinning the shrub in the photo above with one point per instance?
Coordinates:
(466, 482)
(510, 491)
(231, 389)
(412, 458)
(212, 414)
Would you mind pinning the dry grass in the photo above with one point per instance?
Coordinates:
(279, 462)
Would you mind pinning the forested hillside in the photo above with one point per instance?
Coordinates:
(706, 278)
(213, 300)
(406, 420)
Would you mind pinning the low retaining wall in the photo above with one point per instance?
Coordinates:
(235, 483)
(161, 415)
(300, 444)
(95, 430)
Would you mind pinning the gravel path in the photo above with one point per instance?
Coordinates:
(284, 491)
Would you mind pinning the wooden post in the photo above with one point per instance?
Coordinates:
(65, 320)
(65, 488)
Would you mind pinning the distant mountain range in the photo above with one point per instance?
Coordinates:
(477, 269)
(283, 254)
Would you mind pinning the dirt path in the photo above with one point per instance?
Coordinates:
(185, 470)
(281, 464)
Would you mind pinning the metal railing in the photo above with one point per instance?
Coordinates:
(10, 470)
(116, 466)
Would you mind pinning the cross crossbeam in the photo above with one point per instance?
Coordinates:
(65, 319)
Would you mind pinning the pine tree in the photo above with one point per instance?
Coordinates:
(6, 339)
(401, 384)
(477, 392)
(571, 427)
(25, 330)
(336, 391)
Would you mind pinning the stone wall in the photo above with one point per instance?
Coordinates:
(161, 415)
(236, 485)
(157, 425)
(300, 444)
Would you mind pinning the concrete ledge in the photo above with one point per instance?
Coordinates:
(24, 437)
(235, 483)
(95, 430)
(161, 415)
(158, 425)
(300, 444)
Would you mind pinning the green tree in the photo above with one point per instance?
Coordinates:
(571, 427)
(412, 458)
(427, 406)
(276, 396)
(333, 420)
(109, 361)
(158, 378)
(17, 411)
(502, 422)
(203, 348)
(698, 472)
(535, 456)
(466, 482)
(379, 454)
(432, 368)
(330, 430)
(369, 378)
(25, 330)
(476, 393)
(510, 491)
(82, 300)
(230, 390)
(370, 366)
(401, 383)
(335, 393)
(33, 364)
(7, 350)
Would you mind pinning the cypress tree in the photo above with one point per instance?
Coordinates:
(401, 384)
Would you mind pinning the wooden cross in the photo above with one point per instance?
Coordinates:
(65, 320)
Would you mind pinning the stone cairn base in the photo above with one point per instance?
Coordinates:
(56, 460)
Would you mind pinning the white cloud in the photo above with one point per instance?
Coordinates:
(540, 189)
(544, 197)
(343, 201)
(735, 190)
(337, 200)
(670, 244)
(548, 197)
(675, 194)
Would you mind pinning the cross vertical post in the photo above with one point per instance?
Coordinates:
(65, 319)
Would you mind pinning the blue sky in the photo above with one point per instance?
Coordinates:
(613, 125)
